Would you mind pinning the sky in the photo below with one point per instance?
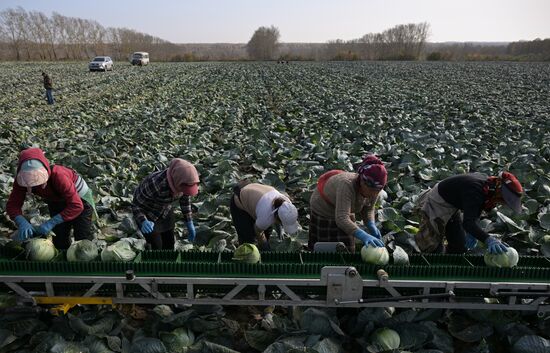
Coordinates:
(234, 21)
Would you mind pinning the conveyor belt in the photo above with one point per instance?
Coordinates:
(312, 279)
(163, 263)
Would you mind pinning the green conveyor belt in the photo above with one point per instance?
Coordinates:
(164, 263)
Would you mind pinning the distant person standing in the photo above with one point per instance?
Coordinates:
(48, 86)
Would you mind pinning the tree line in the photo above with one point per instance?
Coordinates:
(33, 35)
(534, 50)
(401, 42)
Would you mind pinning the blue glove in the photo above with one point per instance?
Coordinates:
(191, 233)
(368, 239)
(495, 246)
(47, 226)
(371, 226)
(147, 227)
(25, 228)
(471, 242)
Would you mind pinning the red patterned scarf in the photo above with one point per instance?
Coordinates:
(492, 185)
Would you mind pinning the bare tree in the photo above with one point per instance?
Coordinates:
(401, 42)
(22, 23)
(51, 34)
(60, 23)
(39, 32)
(97, 36)
(263, 44)
(10, 22)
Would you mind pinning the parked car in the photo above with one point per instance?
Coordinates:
(101, 63)
(140, 58)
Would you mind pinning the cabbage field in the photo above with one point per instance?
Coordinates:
(285, 125)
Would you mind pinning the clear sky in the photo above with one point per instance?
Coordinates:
(226, 21)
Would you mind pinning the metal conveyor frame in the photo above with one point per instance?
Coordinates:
(341, 286)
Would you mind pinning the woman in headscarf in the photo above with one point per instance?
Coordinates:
(339, 196)
(69, 199)
(451, 210)
(257, 208)
(153, 198)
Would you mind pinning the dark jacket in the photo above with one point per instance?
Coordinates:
(47, 82)
(466, 193)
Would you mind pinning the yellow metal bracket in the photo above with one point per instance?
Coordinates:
(64, 304)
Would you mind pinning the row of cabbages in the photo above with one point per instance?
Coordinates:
(42, 249)
(381, 256)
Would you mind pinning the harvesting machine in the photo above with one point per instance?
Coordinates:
(329, 279)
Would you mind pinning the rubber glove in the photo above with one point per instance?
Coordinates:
(495, 246)
(47, 226)
(25, 228)
(191, 233)
(371, 226)
(368, 239)
(471, 242)
(147, 227)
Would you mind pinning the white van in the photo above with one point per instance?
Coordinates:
(140, 58)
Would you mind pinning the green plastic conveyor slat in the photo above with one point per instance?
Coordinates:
(277, 265)
(7, 254)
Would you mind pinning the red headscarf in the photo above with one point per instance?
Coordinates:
(373, 172)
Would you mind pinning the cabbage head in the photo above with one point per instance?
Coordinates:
(40, 249)
(7, 301)
(375, 255)
(320, 322)
(67, 347)
(82, 250)
(119, 251)
(178, 340)
(400, 256)
(148, 345)
(508, 259)
(386, 338)
(248, 253)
